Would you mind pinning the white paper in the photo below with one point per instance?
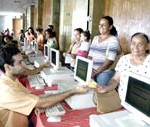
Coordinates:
(68, 59)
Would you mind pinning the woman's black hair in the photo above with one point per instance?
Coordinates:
(80, 30)
(32, 30)
(50, 32)
(87, 34)
(113, 30)
(8, 37)
(139, 33)
(39, 29)
(51, 27)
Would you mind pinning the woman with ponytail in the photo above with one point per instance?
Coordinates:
(103, 51)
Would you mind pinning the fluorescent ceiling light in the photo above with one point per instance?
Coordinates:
(10, 13)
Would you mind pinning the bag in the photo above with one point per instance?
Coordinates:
(107, 102)
(39, 122)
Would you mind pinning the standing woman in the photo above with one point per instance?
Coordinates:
(73, 48)
(85, 44)
(50, 39)
(40, 38)
(77, 42)
(103, 51)
(21, 35)
(30, 34)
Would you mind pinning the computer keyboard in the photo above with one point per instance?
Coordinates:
(55, 110)
(36, 81)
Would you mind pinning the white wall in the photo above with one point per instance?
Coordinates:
(6, 21)
(1, 23)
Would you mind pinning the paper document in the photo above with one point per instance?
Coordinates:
(68, 59)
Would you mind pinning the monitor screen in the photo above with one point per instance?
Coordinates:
(33, 43)
(46, 51)
(83, 70)
(36, 47)
(54, 58)
(137, 98)
(26, 43)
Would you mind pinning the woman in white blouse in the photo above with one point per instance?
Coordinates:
(138, 61)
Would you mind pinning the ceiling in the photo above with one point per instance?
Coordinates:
(15, 6)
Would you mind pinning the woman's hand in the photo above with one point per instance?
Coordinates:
(94, 73)
(64, 54)
(101, 89)
(47, 64)
(73, 56)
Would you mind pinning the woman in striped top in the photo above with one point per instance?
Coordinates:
(103, 51)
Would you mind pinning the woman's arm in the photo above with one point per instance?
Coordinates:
(70, 48)
(105, 66)
(112, 84)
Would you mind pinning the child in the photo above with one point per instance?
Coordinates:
(85, 45)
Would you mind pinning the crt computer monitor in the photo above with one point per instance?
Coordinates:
(137, 96)
(83, 70)
(36, 48)
(46, 51)
(32, 43)
(54, 58)
(26, 43)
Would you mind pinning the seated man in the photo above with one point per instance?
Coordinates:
(26, 71)
(16, 101)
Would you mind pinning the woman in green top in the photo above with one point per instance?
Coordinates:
(51, 40)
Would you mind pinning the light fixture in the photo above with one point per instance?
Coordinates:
(17, 1)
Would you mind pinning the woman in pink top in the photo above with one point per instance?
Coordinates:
(85, 44)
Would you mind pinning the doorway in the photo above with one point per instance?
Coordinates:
(17, 26)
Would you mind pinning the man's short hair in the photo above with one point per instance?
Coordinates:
(6, 56)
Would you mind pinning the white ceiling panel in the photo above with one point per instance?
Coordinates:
(15, 6)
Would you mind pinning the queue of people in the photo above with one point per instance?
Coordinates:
(42, 37)
(17, 102)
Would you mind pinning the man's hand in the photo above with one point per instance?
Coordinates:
(38, 111)
(81, 89)
(47, 64)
